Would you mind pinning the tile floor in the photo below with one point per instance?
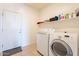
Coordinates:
(28, 51)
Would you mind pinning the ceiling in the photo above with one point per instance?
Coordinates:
(38, 6)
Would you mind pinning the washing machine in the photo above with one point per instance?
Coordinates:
(64, 44)
(43, 37)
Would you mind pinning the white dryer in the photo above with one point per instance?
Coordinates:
(42, 43)
(43, 37)
(64, 44)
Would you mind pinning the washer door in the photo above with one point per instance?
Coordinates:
(61, 48)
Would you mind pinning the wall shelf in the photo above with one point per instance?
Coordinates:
(48, 21)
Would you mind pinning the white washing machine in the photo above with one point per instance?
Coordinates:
(64, 44)
(43, 41)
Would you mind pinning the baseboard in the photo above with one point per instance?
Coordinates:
(34, 43)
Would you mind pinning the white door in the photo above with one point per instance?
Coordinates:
(19, 30)
(1, 31)
(11, 30)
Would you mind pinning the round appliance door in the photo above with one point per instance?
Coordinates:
(60, 48)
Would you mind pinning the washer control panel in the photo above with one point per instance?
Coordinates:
(66, 35)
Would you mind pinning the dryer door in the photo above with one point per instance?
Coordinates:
(60, 48)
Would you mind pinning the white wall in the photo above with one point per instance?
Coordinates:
(56, 9)
(29, 19)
